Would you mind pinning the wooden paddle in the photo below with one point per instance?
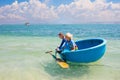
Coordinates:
(59, 61)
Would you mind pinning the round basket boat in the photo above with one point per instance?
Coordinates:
(89, 50)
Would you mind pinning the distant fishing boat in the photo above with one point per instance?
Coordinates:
(89, 50)
(27, 23)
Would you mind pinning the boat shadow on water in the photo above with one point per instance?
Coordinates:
(73, 72)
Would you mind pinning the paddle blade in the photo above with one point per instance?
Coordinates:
(63, 64)
(59, 61)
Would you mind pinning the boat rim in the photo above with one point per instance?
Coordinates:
(101, 44)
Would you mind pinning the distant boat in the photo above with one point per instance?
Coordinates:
(27, 23)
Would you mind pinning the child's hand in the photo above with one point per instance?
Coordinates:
(57, 49)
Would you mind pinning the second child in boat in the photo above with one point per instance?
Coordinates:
(69, 44)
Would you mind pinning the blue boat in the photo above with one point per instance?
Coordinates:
(89, 50)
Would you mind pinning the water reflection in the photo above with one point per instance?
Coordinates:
(72, 73)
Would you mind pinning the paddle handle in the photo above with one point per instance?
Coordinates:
(51, 54)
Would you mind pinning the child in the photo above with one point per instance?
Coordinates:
(69, 44)
(61, 36)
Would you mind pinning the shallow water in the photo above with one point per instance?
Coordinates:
(24, 58)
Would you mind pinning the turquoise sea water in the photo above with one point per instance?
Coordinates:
(22, 52)
(109, 31)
